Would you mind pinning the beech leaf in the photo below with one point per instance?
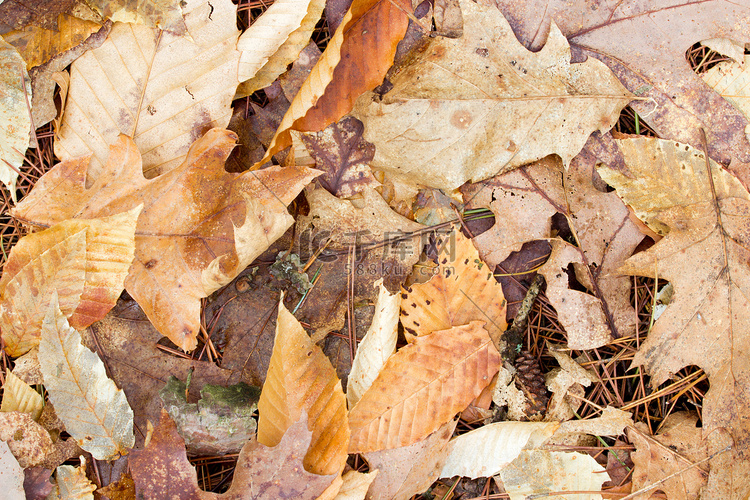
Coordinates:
(445, 121)
(96, 413)
(15, 120)
(19, 396)
(422, 387)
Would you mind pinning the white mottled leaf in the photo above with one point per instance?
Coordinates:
(15, 118)
(11, 474)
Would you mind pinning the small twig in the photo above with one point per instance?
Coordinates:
(513, 337)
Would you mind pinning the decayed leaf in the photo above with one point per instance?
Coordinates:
(356, 59)
(84, 261)
(445, 121)
(162, 14)
(462, 290)
(376, 346)
(72, 483)
(38, 45)
(28, 441)
(122, 489)
(15, 120)
(355, 485)
(541, 471)
(612, 422)
(408, 470)
(675, 102)
(485, 451)
(27, 368)
(199, 228)
(44, 13)
(422, 387)
(732, 81)
(707, 322)
(96, 413)
(676, 446)
(301, 379)
(163, 90)
(19, 396)
(162, 470)
(343, 155)
(12, 474)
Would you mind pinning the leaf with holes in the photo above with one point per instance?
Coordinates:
(95, 412)
(422, 387)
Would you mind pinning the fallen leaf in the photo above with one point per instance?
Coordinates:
(200, 225)
(343, 155)
(376, 346)
(122, 489)
(16, 15)
(674, 101)
(543, 472)
(96, 413)
(408, 470)
(292, 80)
(37, 483)
(19, 396)
(612, 422)
(444, 121)
(732, 81)
(485, 451)
(676, 446)
(72, 483)
(28, 441)
(422, 387)
(162, 14)
(355, 485)
(356, 59)
(461, 290)
(27, 367)
(706, 323)
(567, 386)
(85, 262)
(301, 379)
(12, 474)
(163, 90)
(15, 120)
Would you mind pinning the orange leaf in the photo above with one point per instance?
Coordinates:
(423, 386)
(356, 60)
(300, 378)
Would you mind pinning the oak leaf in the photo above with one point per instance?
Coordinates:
(199, 228)
(705, 258)
(445, 121)
(15, 121)
(300, 379)
(163, 90)
(422, 387)
(85, 262)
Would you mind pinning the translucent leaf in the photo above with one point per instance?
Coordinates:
(15, 118)
(95, 412)
(19, 396)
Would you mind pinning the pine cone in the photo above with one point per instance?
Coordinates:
(530, 380)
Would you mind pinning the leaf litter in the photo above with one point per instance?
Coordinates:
(360, 221)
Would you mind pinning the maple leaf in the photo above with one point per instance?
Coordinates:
(705, 257)
(445, 121)
(674, 100)
(199, 228)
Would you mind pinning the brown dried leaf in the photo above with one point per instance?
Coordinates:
(676, 103)
(162, 14)
(356, 59)
(422, 387)
(462, 290)
(300, 380)
(28, 441)
(84, 261)
(200, 226)
(445, 121)
(406, 471)
(344, 156)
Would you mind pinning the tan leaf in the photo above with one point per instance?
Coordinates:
(163, 90)
(732, 81)
(356, 485)
(541, 472)
(612, 422)
(15, 120)
(444, 121)
(462, 290)
(162, 14)
(406, 471)
(27, 367)
(301, 379)
(485, 451)
(84, 261)
(199, 228)
(12, 474)
(356, 59)
(422, 387)
(19, 396)
(676, 446)
(96, 413)
(705, 258)
(376, 346)
(72, 483)
(28, 441)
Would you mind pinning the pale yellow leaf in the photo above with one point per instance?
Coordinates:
(355, 485)
(300, 378)
(95, 412)
(612, 422)
(11, 474)
(19, 396)
(72, 483)
(541, 472)
(732, 81)
(485, 451)
(163, 90)
(15, 116)
(376, 346)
